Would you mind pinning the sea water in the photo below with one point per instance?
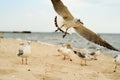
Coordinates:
(74, 39)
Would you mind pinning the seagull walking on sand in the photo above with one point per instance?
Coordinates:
(84, 56)
(70, 22)
(66, 51)
(24, 51)
(117, 61)
(95, 54)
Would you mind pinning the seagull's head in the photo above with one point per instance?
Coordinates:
(78, 21)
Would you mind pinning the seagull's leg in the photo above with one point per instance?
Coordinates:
(85, 62)
(26, 60)
(65, 33)
(95, 57)
(64, 57)
(115, 68)
(22, 60)
(81, 63)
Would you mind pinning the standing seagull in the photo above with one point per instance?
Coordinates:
(95, 54)
(70, 21)
(24, 51)
(66, 51)
(84, 56)
(117, 61)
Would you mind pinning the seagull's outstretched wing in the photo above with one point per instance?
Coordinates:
(93, 37)
(62, 10)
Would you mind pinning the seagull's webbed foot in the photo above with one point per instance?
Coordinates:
(115, 68)
(114, 71)
(70, 59)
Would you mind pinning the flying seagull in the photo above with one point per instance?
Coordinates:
(70, 21)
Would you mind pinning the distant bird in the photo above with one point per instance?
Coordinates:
(70, 21)
(66, 51)
(24, 51)
(95, 54)
(117, 61)
(86, 57)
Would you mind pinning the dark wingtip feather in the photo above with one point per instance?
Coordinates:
(93, 37)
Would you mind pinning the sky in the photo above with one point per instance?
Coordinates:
(100, 16)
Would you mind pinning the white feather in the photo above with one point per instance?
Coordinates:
(26, 50)
(65, 51)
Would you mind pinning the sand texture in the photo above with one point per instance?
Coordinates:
(45, 63)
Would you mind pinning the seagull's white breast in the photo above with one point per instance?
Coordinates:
(64, 50)
(26, 50)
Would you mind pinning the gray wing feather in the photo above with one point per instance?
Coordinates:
(93, 37)
(62, 10)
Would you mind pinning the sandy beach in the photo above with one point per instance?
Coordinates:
(45, 64)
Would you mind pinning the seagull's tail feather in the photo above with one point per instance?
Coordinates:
(93, 37)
